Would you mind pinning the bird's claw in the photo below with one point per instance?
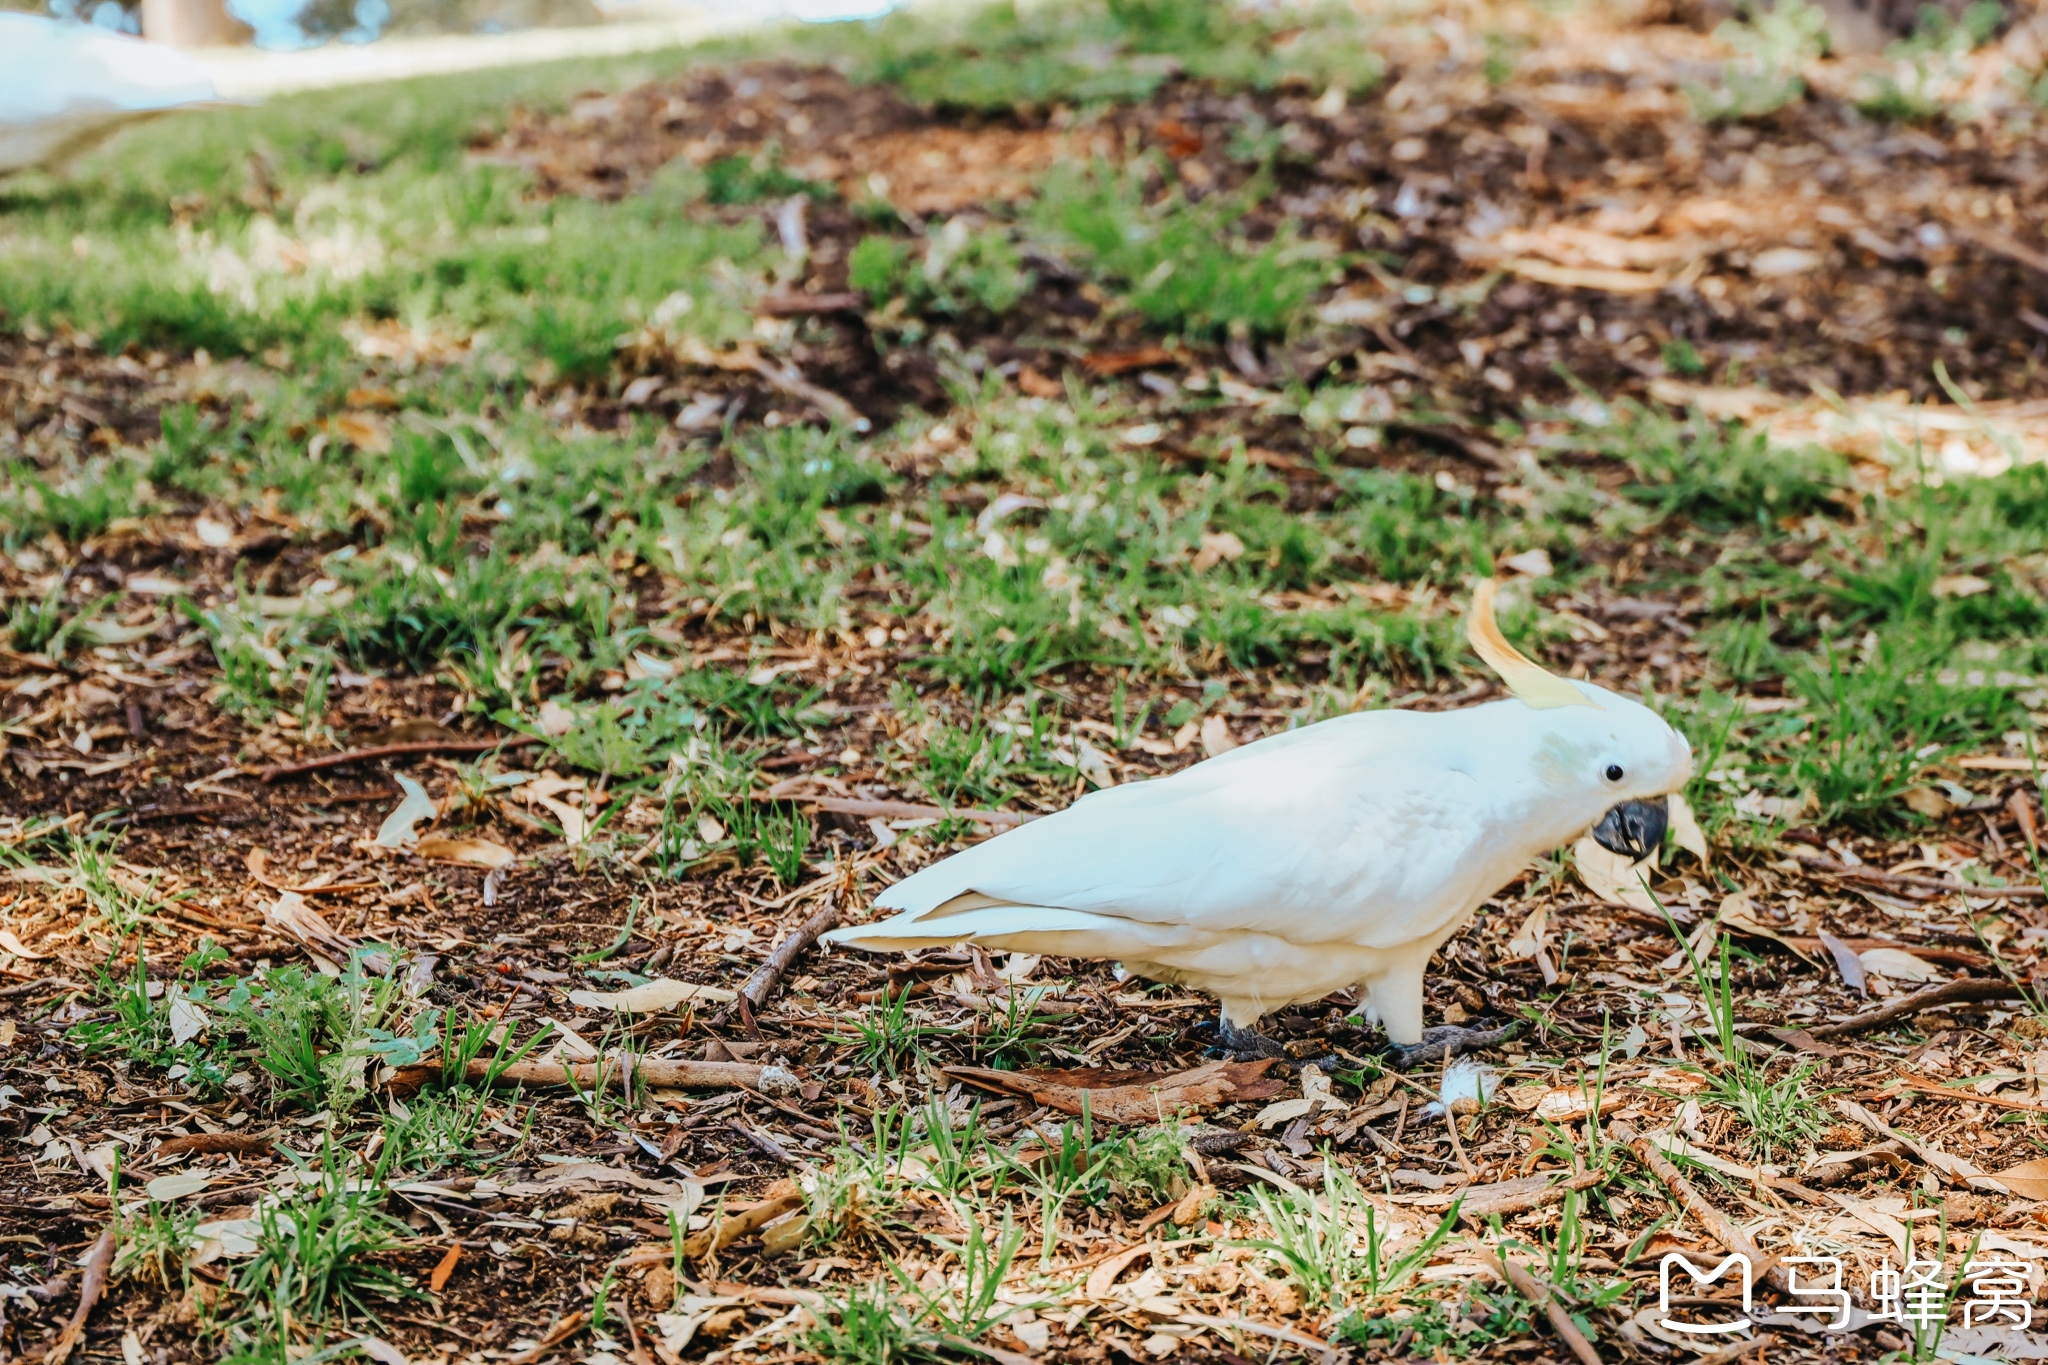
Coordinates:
(1239, 1044)
(1445, 1042)
(1329, 1064)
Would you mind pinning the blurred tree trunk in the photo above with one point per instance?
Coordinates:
(192, 23)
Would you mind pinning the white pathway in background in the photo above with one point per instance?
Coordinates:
(253, 74)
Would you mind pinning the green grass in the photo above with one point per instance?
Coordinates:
(316, 1255)
(486, 544)
(1334, 1247)
(1179, 263)
(957, 270)
(1015, 559)
(1769, 1100)
(1020, 53)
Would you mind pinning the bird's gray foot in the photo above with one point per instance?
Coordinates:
(1444, 1042)
(1330, 1063)
(1243, 1044)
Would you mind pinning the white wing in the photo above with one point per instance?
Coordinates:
(1353, 831)
(64, 85)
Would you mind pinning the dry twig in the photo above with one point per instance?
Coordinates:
(1538, 1293)
(1964, 990)
(614, 1069)
(782, 1197)
(422, 746)
(761, 985)
(1879, 877)
(555, 1336)
(1718, 1225)
(903, 810)
(97, 1262)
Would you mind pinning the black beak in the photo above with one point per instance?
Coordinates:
(1633, 829)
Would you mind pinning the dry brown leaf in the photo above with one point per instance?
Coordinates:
(574, 825)
(257, 860)
(1107, 363)
(213, 1144)
(1036, 385)
(1953, 1166)
(2028, 1180)
(1562, 1103)
(290, 913)
(1103, 1278)
(1528, 940)
(1738, 912)
(1216, 736)
(364, 430)
(1685, 828)
(445, 1267)
(652, 997)
(1507, 1196)
(14, 945)
(1586, 277)
(1613, 878)
(1315, 1096)
(1876, 1221)
(1896, 964)
(1217, 546)
(1928, 802)
(472, 852)
(1131, 1096)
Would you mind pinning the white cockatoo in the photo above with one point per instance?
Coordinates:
(65, 85)
(1340, 854)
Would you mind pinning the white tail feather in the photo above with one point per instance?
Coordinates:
(1021, 929)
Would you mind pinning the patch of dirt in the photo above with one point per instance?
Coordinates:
(62, 396)
(1577, 221)
(1574, 219)
(867, 141)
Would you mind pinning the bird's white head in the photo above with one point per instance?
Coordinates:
(1607, 763)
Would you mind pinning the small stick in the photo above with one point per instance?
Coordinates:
(97, 1263)
(761, 1140)
(790, 380)
(761, 985)
(1273, 1330)
(2001, 245)
(556, 1335)
(657, 1071)
(423, 746)
(802, 305)
(786, 1298)
(638, 1355)
(147, 813)
(782, 1196)
(1964, 990)
(1538, 1293)
(1948, 1092)
(2023, 816)
(1717, 1223)
(42, 984)
(1476, 1203)
(1729, 1355)
(1458, 1143)
(904, 810)
(215, 1144)
(1879, 876)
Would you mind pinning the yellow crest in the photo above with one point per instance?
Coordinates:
(1528, 680)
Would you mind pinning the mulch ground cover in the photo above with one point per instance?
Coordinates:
(1506, 250)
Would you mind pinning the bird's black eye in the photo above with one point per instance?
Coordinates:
(1614, 773)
